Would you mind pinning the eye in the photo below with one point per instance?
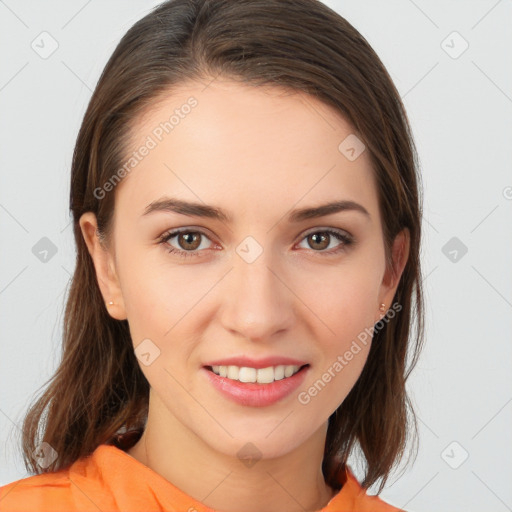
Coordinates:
(321, 239)
(189, 241)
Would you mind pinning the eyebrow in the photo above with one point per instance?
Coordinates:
(168, 204)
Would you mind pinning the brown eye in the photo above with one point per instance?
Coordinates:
(189, 240)
(185, 242)
(319, 240)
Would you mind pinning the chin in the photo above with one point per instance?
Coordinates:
(267, 441)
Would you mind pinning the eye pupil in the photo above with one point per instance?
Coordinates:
(316, 239)
(189, 239)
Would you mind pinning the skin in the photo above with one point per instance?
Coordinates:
(257, 153)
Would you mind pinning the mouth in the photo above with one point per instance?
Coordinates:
(248, 374)
(255, 387)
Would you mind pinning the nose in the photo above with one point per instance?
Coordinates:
(257, 302)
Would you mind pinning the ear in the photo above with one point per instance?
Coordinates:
(104, 265)
(391, 279)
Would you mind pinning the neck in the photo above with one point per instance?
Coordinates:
(293, 482)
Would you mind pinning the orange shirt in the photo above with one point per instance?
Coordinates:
(110, 480)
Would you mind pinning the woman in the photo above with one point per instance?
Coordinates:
(247, 218)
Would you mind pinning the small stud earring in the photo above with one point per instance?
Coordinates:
(382, 308)
(110, 303)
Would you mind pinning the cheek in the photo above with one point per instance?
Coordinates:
(343, 297)
(156, 294)
(163, 307)
(346, 309)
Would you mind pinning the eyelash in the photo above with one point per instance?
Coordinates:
(346, 239)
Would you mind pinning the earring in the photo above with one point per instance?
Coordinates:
(110, 303)
(382, 308)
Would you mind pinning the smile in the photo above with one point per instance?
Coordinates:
(259, 375)
(261, 387)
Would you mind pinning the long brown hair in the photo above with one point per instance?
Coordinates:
(99, 389)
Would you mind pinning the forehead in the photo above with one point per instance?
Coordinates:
(239, 145)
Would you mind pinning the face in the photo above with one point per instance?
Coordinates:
(261, 281)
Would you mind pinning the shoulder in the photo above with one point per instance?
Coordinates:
(78, 488)
(369, 503)
(45, 492)
(354, 497)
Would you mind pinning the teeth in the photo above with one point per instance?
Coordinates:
(279, 372)
(260, 375)
(246, 374)
(233, 372)
(289, 371)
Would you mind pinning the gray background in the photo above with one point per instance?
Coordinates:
(460, 108)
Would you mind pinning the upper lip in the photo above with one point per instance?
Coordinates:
(256, 363)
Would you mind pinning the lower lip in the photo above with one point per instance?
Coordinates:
(254, 394)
